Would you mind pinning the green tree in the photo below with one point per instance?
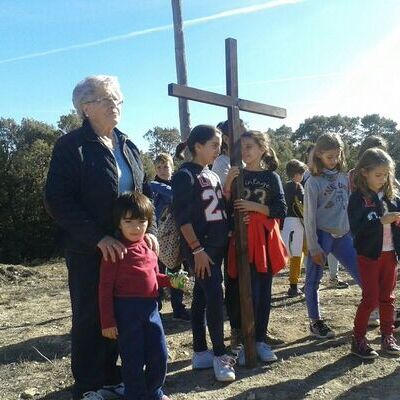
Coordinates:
(26, 231)
(374, 124)
(69, 122)
(283, 133)
(162, 140)
(312, 128)
(148, 165)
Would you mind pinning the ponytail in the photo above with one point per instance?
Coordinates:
(270, 160)
(199, 134)
(180, 150)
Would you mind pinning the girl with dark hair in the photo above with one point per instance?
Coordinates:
(200, 214)
(128, 293)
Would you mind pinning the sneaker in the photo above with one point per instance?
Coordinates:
(236, 340)
(389, 345)
(373, 320)
(361, 349)
(396, 326)
(241, 358)
(112, 392)
(182, 315)
(273, 341)
(294, 291)
(337, 283)
(223, 368)
(202, 359)
(321, 330)
(265, 353)
(91, 396)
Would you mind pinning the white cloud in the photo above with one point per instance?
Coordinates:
(130, 35)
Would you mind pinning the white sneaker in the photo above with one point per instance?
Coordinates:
(223, 368)
(373, 320)
(112, 392)
(202, 359)
(265, 353)
(92, 396)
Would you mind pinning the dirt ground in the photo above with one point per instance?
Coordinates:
(35, 319)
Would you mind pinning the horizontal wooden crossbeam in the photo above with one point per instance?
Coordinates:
(203, 96)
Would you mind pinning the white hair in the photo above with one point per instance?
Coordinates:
(88, 90)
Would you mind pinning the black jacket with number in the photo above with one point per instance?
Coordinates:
(82, 185)
(197, 199)
(365, 225)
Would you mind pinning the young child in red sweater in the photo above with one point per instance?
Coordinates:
(128, 302)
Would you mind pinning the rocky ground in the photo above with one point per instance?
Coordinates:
(35, 319)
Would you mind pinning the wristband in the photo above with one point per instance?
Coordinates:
(198, 250)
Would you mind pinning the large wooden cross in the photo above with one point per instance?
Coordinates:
(234, 104)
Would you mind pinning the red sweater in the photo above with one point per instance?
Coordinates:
(264, 243)
(136, 275)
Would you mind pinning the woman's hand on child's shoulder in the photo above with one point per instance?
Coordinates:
(110, 333)
(152, 242)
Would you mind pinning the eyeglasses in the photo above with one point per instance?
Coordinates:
(107, 101)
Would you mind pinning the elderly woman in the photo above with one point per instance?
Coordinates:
(89, 168)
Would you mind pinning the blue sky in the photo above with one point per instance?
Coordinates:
(309, 56)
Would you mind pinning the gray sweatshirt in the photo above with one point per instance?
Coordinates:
(325, 207)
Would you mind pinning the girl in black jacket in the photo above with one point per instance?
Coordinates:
(374, 215)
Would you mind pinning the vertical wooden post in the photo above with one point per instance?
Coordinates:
(242, 261)
(180, 61)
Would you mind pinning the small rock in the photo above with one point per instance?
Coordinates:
(29, 393)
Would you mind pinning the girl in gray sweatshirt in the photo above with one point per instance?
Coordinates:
(326, 196)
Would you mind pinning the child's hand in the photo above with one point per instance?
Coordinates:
(110, 333)
(202, 264)
(391, 217)
(179, 280)
(232, 174)
(246, 205)
(319, 259)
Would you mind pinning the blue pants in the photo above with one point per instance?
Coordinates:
(93, 357)
(208, 300)
(261, 288)
(141, 342)
(342, 248)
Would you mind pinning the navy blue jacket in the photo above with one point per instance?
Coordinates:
(82, 185)
(162, 195)
(197, 199)
(365, 225)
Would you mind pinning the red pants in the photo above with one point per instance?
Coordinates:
(378, 280)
